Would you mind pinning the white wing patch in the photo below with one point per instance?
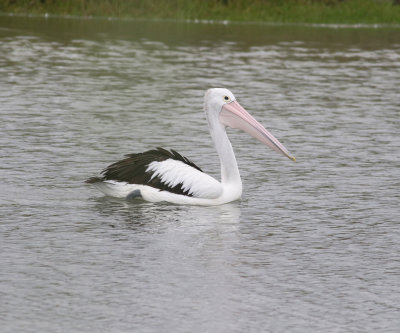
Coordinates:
(173, 172)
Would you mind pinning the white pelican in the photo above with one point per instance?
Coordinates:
(162, 175)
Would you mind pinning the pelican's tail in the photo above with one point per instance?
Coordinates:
(93, 180)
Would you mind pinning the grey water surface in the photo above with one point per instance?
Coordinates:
(312, 246)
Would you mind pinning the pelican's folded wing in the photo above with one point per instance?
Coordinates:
(164, 170)
(173, 173)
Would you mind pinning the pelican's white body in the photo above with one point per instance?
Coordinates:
(221, 110)
(205, 190)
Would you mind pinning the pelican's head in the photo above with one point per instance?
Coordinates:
(221, 107)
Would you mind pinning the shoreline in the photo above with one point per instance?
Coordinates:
(205, 22)
(288, 12)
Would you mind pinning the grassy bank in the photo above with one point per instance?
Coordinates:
(293, 11)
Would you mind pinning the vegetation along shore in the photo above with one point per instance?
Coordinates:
(285, 11)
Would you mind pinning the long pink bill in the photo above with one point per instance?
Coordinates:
(235, 116)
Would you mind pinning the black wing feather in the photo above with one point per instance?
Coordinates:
(132, 169)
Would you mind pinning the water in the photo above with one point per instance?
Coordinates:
(313, 246)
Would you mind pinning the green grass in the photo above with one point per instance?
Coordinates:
(291, 11)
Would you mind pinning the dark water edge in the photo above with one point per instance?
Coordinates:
(188, 33)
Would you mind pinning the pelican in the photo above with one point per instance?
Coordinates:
(162, 175)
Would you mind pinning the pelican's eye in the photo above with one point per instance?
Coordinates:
(227, 99)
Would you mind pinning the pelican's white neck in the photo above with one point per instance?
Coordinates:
(230, 176)
(214, 100)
